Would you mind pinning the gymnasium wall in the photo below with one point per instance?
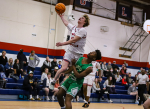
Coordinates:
(19, 19)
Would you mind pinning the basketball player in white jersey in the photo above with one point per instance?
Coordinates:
(76, 43)
(88, 82)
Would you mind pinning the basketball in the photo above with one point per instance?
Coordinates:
(60, 8)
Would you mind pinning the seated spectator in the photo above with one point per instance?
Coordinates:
(114, 66)
(102, 75)
(118, 77)
(126, 64)
(124, 81)
(9, 67)
(32, 61)
(109, 86)
(133, 91)
(54, 72)
(99, 89)
(17, 68)
(22, 59)
(135, 78)
(109, 66)
(44, 75)
(3, 59)
(3, 79)
(46, 84)
(129, 79)
(46, 64)
(29, 84)
(110, 73)
(54, 63)
(123, 71)
(59, 65)
(104, 67)
(56, 89)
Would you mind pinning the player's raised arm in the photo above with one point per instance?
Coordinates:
(63, 19)
(82, 74)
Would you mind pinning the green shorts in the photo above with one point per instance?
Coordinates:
(71, 87)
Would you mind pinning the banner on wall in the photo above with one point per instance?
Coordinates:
(124, 11)
(83, 3)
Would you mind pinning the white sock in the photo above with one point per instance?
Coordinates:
(63, 107)
(37, 96)
(30, 96)
(85, 101)
(47, 97)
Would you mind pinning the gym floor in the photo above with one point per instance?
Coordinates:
(55, 105)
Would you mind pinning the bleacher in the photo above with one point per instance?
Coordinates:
(10, 90)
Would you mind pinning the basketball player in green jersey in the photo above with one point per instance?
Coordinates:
(73, 84)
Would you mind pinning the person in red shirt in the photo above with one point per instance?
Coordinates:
(124, 82)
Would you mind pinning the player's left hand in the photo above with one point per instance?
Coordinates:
(59, 44)
(73, 61)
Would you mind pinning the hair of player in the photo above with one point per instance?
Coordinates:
(87, 20)
(98, 56)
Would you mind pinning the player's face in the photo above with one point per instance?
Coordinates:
(92, 55)
(81, 20)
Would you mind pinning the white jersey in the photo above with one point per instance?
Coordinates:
(77, 47)
(96, 66)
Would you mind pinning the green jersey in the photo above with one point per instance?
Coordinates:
(72, 85)
(80, 68)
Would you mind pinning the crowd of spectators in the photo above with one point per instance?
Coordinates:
(21, 67)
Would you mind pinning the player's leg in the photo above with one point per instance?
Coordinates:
(85, 87)
(60, 98)
(147, 104)
(64, 67)
(72, 91)
(68, 101)
(89, 87)
(65, 63)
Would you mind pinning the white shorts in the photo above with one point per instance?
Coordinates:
(69, 55)
(88, 80)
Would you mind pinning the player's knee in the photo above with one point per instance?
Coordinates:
(59, 94)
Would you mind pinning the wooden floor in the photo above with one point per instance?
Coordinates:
(54, 105)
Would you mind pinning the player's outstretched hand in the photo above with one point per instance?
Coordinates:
(59, 44)
(61, 15)
(73, 61)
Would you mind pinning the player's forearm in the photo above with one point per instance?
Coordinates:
(69, 70)
(64, 21)
(69, 42)
(76, 73)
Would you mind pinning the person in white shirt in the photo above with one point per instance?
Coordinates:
(108, 84)
(47, 82)
(142, 81)
(118, 77)
(75, 44)
(88, 82)
(44, 74)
